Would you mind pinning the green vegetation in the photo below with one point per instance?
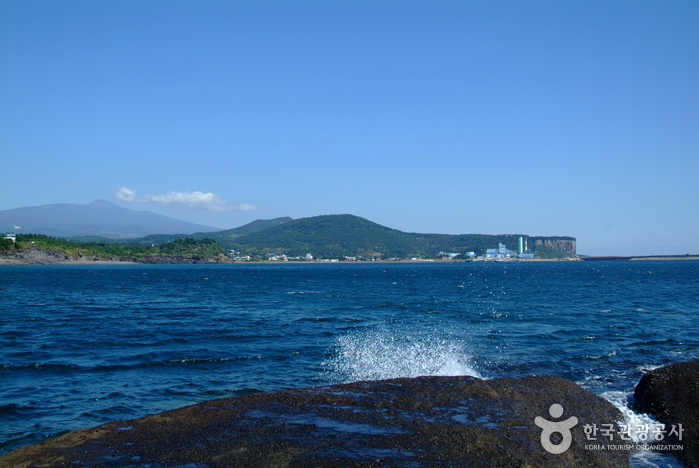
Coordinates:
(6, 245)
(190, 247)
(187, 248)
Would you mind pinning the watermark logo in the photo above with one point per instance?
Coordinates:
(630, 436)
(633, 436)
(548, 428)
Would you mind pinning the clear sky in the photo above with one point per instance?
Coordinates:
(558, 117)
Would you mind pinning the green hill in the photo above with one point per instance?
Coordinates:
(337, 236)
(329, 236)
(224, 237)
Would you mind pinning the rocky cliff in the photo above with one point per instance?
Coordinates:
(566, 245)
(37, 256)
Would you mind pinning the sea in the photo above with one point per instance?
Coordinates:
(82, 345)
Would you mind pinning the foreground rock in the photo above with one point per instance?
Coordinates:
(671, 394)
(450, 421)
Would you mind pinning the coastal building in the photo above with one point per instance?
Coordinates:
(273, 257)
(11, 237)
(503, 251)
(448, 255)
(523, 249)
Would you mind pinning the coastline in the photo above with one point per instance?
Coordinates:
(639, 257)
(5, 261)
(67, 262)
(170, 261)
(48, 257)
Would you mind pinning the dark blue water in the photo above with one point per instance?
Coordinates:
(84, 345)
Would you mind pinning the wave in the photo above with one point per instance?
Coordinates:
(15, 409)
(74, 368)
(378, 354)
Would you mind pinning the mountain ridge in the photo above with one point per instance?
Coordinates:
(97, 218)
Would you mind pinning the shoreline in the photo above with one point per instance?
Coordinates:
(635, 258)
(8, 262)
(19, 262)
(5, 261)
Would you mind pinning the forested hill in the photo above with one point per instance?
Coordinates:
(329, 236)
(337, 236)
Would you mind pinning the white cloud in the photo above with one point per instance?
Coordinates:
(125, 194)
(247, 207)
(193, 200)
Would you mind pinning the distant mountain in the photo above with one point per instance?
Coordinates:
(99, 218)
(225, 237)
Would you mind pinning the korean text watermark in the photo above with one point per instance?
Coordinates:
(607, 436)
(647, 436)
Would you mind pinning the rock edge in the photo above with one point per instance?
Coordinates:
(423, 421)
(671, 394)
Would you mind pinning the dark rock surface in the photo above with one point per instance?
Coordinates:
(425, 421)
(173, 259)
(671, 394)
(33, 257)
(37, 256)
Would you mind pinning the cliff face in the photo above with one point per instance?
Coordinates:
(564, 245)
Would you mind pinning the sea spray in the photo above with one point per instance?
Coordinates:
(636, 422)
(375, 354)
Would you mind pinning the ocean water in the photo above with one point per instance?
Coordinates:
(86, 344)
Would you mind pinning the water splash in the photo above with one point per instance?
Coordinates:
(384, 354)
(633, 420)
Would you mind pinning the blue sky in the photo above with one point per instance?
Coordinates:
(538, 117)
